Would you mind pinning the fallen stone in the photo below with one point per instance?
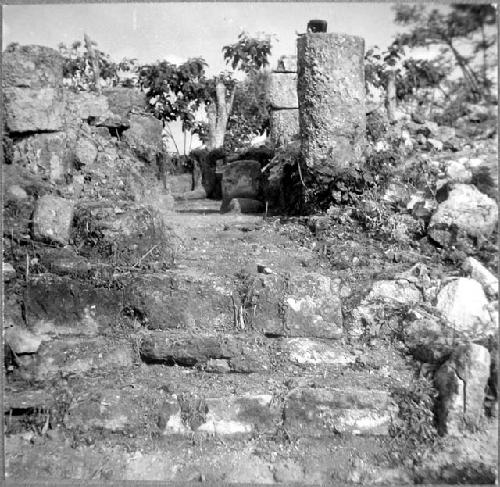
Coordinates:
(62, 261)
(243, 205)
(319, 412)
(478, 272)
(466, 209)
(315, 352)
(464, 305)
(8, 272)
(218, 365)
(241, 179)
(15, 192)
(458, 173)
(33, 110)
(434, 144)
(52, 219)
(461, 382)
(22, 340)
(283, 90)
(25, 400)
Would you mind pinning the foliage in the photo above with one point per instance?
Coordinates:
(248, 53)
(250, 115)
(77, 66)
(416, 425)
(444, 28)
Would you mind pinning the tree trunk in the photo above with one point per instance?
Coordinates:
(485, 64)
(94, 61)
(469, 75)
(390, 100)
(218, 114)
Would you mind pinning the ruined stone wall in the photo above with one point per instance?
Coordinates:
(284, 101)
(331, 96)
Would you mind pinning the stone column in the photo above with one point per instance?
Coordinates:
(284, 101)
(331, 93)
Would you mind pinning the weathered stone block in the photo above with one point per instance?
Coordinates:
(32, 67)
(461, 382)
(49, 156)
(283, 90)
(315, 352)
(144, 137)
(85, 152)
(331, 93)
(284, 126)
(33, 110)
(122, 101)
(52, 219)
(58, 306)
(85, 105)
(321, 412)
(467, 210)
(243, 205)
(180, 300)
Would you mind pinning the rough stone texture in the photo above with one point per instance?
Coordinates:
(304, 305)
(240, 415)
(144, 137)
(283, 90)
(199, 350)
(52, 219)
(32, 67)
(463, 303)
(241, 179)
(482, 275)
(461, 382)
(21, 340)
(46, 155)
(85, 152)
(331, 94)
(321, 412)
(244, 205)
(123, 101)
(467, 210)
(15, 192)
(58, 306)
(286, 64)
(315, 352)
(62, 261)
(284, 126)
(76, 356)
(33, 110)
(85, 105)
(458, 173)
(180, 300)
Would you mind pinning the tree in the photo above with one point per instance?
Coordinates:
(446, 29)
(248, 54)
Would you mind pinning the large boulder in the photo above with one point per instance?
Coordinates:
(144, 137)
(32, 67)
(461, 382)
(482, 275)
(52, 219)
(241, 179)
(463, 304)
(466, 210)
(33, 110)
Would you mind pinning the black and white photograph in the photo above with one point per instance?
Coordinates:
(249, 243)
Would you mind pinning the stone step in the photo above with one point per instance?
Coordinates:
(167, 401)
(351, 461)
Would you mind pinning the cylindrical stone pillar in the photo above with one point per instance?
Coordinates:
(331, 92)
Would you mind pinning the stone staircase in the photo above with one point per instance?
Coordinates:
(234, 365)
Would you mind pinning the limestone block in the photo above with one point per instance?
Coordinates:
(283, 90)
(52, 219)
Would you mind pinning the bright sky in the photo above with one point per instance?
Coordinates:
(177, 31)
